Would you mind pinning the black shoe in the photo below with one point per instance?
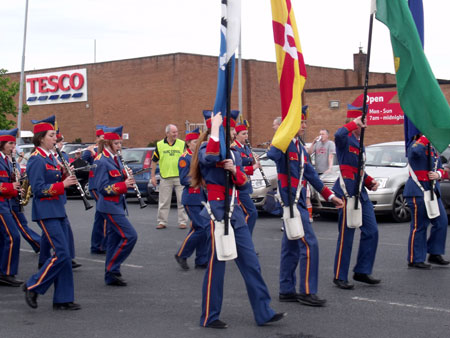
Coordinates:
(276, 317)
(437, 259)
(98, 252)
(201, 266)
(182, 262)
(10, 280)
(288, 297)
(310, 300)
(30, 297)
(217, 324)
(117, 280)
(343, 284)
(66, 306)
(75, 264)
(420, 265)
(365, 278)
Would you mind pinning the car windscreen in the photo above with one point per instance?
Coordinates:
(386, 156)
(133, 156)
(266, 162)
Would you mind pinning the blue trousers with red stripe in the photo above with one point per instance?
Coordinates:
(367, 245)
(418, 245)
(28, 234)
(57, 269)
(303, 251)
(9, 245)
(45, 254)
(251, 214)
(248, 265)
(98, 237)
(197, 237)
(121, 238)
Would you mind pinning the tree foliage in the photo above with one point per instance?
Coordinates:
(8, 90)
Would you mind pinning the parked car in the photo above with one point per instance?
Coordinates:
(260, 191)
(139, 160)
(386, 163)
(71, 148)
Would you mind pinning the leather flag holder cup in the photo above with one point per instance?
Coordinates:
(226, 249)
(293, 226)
(354, 216)
(431, 205)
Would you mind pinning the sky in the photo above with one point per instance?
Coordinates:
(62, 33)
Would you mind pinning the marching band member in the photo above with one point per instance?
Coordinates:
(208, 168)
(249, 167)
(303, 251)
(420, 181)
(347, 152)
(192, 199)
(33, 238)
(45, 245)
(112, 183)
(48, 183)
(98, 237)
(9, 234)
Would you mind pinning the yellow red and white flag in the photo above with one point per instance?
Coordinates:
(291, 71)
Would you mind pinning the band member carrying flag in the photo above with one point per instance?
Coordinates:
(292, 165)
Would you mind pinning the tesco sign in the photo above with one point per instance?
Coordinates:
(57, 87)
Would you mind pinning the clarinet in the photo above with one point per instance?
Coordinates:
(266, 181)
(66, 165)
(19, 194)
(136, 188)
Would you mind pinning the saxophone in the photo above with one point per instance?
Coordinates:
(25, 186)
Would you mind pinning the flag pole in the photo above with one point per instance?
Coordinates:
(227, 145)
(364, 114)
(22, 75)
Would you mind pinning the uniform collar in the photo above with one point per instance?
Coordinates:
(43, 152)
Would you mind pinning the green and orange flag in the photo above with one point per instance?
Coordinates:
(291, 71)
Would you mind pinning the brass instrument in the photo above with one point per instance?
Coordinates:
(128, 170)
(15, 178)
(266, 181)
(25, 186)
(66, 165)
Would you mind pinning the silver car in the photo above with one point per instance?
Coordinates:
(260, 190)
(387, 163)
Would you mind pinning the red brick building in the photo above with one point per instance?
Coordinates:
(147, 93)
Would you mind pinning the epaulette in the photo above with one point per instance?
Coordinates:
(98, 157)
(184, 154)
(36, 152)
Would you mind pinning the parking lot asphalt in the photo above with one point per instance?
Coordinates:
(161, 300)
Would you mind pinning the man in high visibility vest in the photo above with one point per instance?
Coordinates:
(167, 153)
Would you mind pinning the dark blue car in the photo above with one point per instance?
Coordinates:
(139, 160)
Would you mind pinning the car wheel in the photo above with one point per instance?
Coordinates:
(400, 210)
(86, 191)
(150, 199)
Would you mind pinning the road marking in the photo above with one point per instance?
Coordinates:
(412, 306)
(95, 260)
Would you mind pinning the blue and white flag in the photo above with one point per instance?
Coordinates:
(230, 30)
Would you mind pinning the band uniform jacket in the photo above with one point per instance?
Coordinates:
(46, 178)
(211, 167)
(6, 188)
(421, 164)
(191, 195)
(111, 188)
(347, 152)
(294, 151)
